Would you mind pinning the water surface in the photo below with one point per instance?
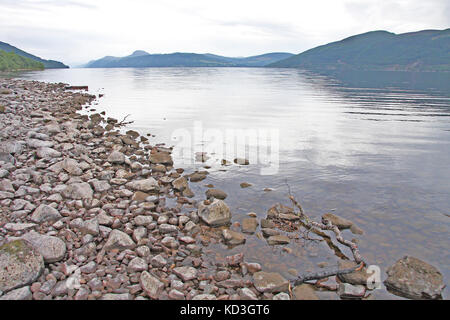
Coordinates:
(373, 147)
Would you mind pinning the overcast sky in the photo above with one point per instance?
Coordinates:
(76, 31)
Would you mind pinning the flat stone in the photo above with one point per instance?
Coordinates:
(349, 291)
(78, 191)
(339, 222)
(197, 176)
(269, 282)
(139, 196)
(281, 296)
(23, 293)
(279, 239)
(45, 213)
(217, 213)
(180, 183)
(100, 185)
(204, 297)
(145, 185)
(19, 226)
(116, 296)
(20, 265)
(413, 278)
(47, 153)
(186, 273)
(137, 265)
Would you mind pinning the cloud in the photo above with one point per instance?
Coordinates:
(76, 31)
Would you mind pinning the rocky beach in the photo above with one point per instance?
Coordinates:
(90, 210)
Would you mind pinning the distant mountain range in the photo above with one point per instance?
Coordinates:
(427, 50)
(144, 59)
(48, 64)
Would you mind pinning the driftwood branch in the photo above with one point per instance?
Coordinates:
(123, 122)
(319, 229)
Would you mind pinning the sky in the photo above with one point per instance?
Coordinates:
(77, 31)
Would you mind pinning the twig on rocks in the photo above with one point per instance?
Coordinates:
(319, 229)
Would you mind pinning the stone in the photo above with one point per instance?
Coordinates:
(145, 185)
(158, 261)
(269, 282)
(339, 222)
(279, 239)
(116, 157)
(281, 296)
(161, 158)
(12, 147)
(52, 249)
(247, 294)
(241, 161)
(415, 279)
(232, 237)
(20, 265)
(23, 293)
(349, 291)
(204, 297)
(357, 277)
(245, 185)
(304, 292)
(19, 226)
(100, 185)
(269, 232)
(215, 214)
(45, 213)
(215, 193)
(185, 273)
(249, 225)
(167, 228)
(139, 196)
(78, 191)
(116, 296)
(174, 294)
(197, 176)
(47, 153)
(151, 285)
(137, 265)
(235, 260)
(119, 240)
(180, 184)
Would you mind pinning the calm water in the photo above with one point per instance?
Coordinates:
(371, 147)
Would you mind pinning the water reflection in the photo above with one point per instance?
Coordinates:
(371, 147)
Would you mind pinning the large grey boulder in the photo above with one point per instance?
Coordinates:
(20, 265)
(215, 214)
(45, 213)
(415, 279)
(51, 248)
(23, 293)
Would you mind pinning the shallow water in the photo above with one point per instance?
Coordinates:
(373, 147)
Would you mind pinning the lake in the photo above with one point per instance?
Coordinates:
(372, 147)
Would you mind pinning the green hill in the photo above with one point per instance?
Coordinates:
(9, 61)
(427, 50)
(179, 59)
(48, 64)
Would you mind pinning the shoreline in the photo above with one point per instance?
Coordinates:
(89, 206)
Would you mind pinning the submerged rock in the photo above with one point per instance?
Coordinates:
(415, 279)
(305, 292)
(233, 237)
(269, 282)
(215, 193)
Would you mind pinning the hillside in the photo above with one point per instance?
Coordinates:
(427, 50)
(143, 59)
(48, 64)
(9, 61)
